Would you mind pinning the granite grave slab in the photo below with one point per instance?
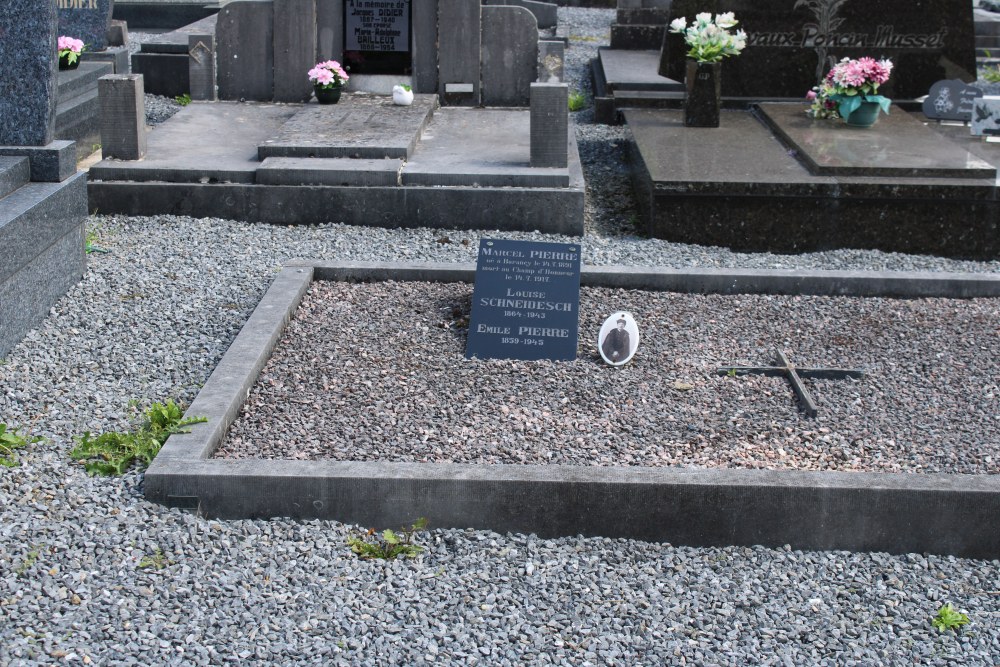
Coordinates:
(898, 145)
(235, 131)
(741, 187)
(360, 126)
(479, 148)
(244, 35)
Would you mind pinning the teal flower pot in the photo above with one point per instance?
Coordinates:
(864, 116)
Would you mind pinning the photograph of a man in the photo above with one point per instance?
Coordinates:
(618, 339)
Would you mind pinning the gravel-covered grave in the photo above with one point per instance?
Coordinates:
(92, 573)
(376, 372)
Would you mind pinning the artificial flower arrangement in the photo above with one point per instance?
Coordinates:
(849, 83)
(708, 38)
(69, 49)
(327, 75)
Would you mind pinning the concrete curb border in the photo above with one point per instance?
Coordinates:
(896, 513)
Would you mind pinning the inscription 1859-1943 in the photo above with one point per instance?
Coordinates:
(526, 301)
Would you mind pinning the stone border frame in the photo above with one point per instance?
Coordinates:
(897, 513)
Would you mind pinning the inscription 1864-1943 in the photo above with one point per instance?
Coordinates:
(526, 301)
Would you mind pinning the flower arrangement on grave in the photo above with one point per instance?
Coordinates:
(709, 40)
(69, 49)
(328, 79)
(852, 84)
(328, 75)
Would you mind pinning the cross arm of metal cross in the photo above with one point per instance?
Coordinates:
(783, 367)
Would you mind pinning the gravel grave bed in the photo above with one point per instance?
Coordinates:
(377, 372)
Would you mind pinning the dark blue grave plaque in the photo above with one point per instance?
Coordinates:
(526, 301)
(951, 99)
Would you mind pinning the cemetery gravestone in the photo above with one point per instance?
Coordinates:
(377, 36)
(27, 79)
(986, 116)
(88, 20)
(791, 44)
(951, 100)
(526, 301)
(43, 200)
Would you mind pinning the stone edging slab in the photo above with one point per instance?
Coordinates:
(898, 513)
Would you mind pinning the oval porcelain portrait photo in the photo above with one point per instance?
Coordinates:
(618, 339)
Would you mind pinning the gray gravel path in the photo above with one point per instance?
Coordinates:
(91, 573)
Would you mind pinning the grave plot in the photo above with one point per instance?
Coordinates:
(375, 372)
(772, 179)
(363, 161)
(368, 412)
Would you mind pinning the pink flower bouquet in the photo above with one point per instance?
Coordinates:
(69, 49)
(328, 74)
(847, 85)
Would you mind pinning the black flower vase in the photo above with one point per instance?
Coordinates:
(328, 95)
(704, 90)
(65, 64)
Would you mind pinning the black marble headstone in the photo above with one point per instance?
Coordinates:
(791, 44)
(377, 37)
(87, 20)
(28, 75)
(526, 301)
(951, 100)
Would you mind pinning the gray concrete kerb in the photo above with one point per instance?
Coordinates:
(934, 513)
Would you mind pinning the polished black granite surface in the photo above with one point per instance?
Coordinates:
(897, 145)
(791, 44)
(741, 186)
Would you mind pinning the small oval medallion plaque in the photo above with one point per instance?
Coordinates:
(618, 339)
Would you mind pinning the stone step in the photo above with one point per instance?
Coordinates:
(329, 171)
(14, 172)
(360, 126)
(74, 82)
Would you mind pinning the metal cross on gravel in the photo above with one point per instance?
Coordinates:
(787, 369)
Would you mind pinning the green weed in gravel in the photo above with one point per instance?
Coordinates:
(390, 544)
(949, 618)
(156, 561)
(114, 453)
(10, 441)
